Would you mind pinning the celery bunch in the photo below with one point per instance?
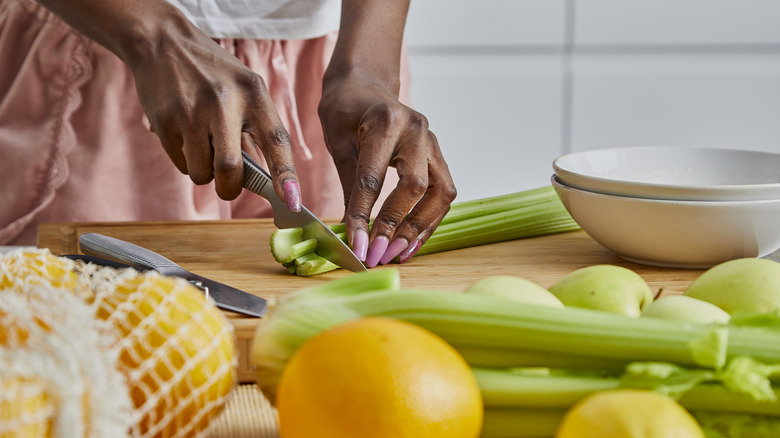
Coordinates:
(478, 222)
(533, 363)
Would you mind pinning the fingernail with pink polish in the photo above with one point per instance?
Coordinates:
(360, 244)
(409, 252)
(395, 248)
(376, 251)
(292, 195)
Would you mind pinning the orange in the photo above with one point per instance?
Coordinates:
(381, 378)
(628, 413)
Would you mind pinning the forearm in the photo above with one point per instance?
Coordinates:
(370, 41)
(128, 28)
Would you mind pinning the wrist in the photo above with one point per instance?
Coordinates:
(143, 39)
(339, 74)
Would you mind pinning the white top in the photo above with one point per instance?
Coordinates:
(263, 19)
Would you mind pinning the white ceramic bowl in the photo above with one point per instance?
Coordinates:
(665, 172)
(670, 233)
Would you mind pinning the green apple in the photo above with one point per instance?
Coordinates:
(742, 285)
(515, 289)
(686, 309)
(604, 287)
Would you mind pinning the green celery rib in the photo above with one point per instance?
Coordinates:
(485, 206)
(288, 244)
(719, 425)
(494, 323)
(517, 215)
(535, 220)
(510, 389)
(505, 388)
(463, 319)
(497, 357)
(521, 423)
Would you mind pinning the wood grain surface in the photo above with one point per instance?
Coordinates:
(237, 253)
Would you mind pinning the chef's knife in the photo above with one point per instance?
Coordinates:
(258, 181)
(226, 297)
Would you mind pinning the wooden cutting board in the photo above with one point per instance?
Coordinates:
(237, 253)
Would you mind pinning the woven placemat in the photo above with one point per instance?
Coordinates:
(247, 414)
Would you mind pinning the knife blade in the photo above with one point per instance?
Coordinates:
(257, 180)
(226, 297)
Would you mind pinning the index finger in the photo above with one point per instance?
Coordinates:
(269, 134)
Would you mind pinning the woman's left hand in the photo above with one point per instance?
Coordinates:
(367, 130)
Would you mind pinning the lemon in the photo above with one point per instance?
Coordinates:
(628, 413)
(380, 378)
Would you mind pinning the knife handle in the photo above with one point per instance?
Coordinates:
(103, 246)
(258, 180)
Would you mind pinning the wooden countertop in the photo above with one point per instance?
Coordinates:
(237, 253)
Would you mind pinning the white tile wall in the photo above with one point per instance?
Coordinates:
(706, 100)
(510, 84)
(447, 23)
(497, 118)
(626, 22)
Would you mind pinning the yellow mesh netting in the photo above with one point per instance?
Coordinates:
(58, 369)
(30, 411)
(175, 349)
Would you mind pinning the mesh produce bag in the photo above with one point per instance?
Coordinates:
(175, 349)
(58, 369)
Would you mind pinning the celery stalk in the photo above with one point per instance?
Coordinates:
(465, 319)
(506, 388)
(471, 223)
(521, 423)
(494, 323)
(497, 357)
(560, 389)
(718, 425)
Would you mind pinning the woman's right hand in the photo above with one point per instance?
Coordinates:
(200, 100)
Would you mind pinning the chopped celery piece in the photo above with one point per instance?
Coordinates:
(471, 223)
(287, 244)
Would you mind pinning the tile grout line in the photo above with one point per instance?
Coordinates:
(567, 86)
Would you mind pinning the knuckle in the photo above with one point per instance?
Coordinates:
(227, 165)
(385, 114)
(252, 81)
(370, 183)
(418, 121)
(449, 192)
(415, 226)
(277, 138)
(389, 222)
(358, 216)
(414, 185)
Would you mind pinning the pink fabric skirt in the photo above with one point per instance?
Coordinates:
(74, 147)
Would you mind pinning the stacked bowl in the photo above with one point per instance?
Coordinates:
(676, 207)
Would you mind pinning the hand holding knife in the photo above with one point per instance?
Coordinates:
(258, 181)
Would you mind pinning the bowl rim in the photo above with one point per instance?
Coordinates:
(672, 191)
(556, 182)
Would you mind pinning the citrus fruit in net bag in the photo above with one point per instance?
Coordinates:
(628, 413)
(173, 348)
(176, 349)
(22, 268)
(381, 378)
(58, 369)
